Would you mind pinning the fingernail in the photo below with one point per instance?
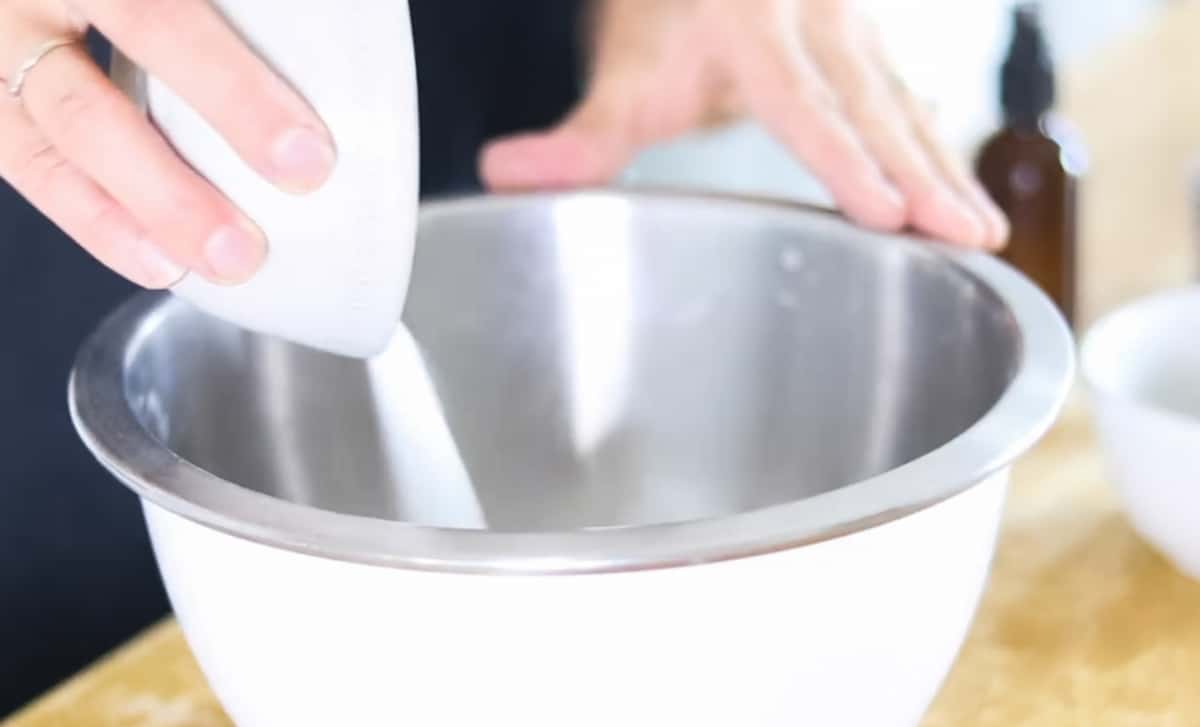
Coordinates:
(1004, 231)
(998, 231)
(234, 253)
(997, 222)
(301, 160)
(157, 270)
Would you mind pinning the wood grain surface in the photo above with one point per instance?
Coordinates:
(1083, 624)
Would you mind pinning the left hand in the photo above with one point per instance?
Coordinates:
(811, 71)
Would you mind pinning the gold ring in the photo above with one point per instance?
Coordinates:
(17, 82)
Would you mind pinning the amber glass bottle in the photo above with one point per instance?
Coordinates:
(1031, 167)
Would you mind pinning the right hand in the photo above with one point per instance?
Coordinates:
(84, 154)
(813, 72)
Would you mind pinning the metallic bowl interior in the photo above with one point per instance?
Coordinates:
(594, 381)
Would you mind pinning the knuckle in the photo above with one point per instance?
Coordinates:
(871, 107)
(184, 214)
(812, 97)
(39, 168)
(72, 110)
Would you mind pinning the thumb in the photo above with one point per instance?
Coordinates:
(589, 148)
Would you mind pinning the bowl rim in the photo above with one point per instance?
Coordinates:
(1103, 328)
(1022, 415)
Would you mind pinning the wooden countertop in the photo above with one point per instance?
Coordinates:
(1082, 624)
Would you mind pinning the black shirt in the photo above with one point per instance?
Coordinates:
(76, 573)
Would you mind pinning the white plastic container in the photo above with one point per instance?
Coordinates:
(340, 258)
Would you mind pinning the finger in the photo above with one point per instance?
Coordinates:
(101, 132)
(955, 171)
(783, 88)
(188, 45)
(590, 148)
(934, 203)
(951, 165)
(651, 82)
(562, 158)
(77, 205)
(642, 93)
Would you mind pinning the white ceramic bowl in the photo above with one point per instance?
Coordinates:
(651, 461)
(339, 258)
(1142, 368)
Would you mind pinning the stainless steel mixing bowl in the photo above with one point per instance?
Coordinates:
(595, 383)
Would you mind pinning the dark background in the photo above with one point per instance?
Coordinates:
(76, 573)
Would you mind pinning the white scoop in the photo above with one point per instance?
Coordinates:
(339, 262)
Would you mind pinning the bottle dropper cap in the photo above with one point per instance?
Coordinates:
(1027, 79)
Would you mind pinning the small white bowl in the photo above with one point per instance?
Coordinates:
(340, 257)
(1142, 367)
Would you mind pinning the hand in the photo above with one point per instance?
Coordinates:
(87, 158)
(812, 71)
